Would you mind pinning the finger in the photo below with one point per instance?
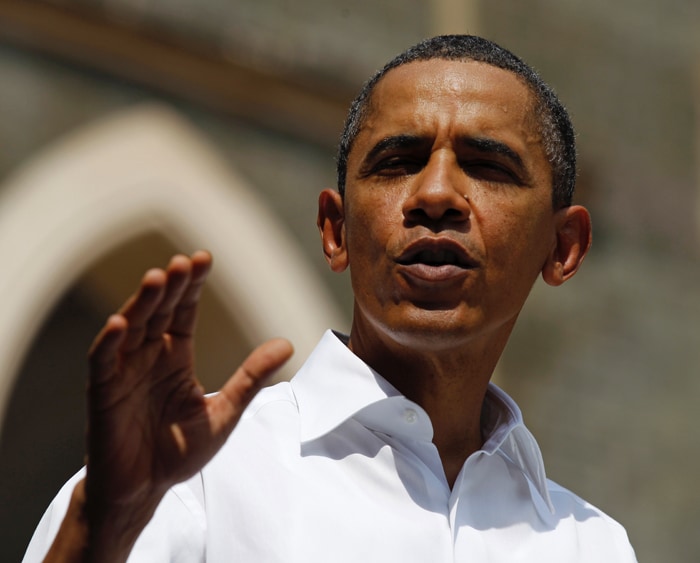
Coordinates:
(185, 314)
(141, 305)
(178, 277)
(228, 405)
(102, 356)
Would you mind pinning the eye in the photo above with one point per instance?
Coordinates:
(491, 171)
(397, 165)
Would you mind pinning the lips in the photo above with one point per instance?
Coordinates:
(436, 260)
(437, 252)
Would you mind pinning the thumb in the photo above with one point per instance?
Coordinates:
(244, 384)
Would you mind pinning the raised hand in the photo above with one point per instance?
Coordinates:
(149, 423)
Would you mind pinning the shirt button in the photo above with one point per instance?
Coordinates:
(410, 416)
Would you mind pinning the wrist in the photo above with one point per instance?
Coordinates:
(71, 542)
(113, 528)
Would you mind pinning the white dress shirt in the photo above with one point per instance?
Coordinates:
(338, 466)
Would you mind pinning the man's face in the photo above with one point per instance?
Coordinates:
(448, 206)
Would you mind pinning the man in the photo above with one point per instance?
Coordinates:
(456, 172)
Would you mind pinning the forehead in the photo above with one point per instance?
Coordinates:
(437, 97)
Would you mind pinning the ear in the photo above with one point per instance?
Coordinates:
(573, 239)
(331, 225)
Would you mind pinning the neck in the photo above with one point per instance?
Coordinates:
(450, 383)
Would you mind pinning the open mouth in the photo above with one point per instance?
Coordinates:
(436, 253)
(430, 261)
(437, 258)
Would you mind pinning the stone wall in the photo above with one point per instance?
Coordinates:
(605, 368)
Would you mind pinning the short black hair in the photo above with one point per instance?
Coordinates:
(557, 131)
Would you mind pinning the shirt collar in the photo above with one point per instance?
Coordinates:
(505, 432)
(334, 385)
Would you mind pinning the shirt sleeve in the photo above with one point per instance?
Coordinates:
(175, 534)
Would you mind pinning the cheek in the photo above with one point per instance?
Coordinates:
(370, 222)
(517, 244)
(358, 233)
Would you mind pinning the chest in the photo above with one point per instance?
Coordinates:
(374, 502)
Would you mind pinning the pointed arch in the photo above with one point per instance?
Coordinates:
(146, 170)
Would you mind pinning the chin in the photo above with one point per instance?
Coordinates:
(433, 329)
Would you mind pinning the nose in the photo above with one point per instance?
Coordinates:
(438, 193)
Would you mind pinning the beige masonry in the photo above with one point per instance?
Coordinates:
(146, 174)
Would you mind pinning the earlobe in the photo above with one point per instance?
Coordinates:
(573, 239)
(331, 226)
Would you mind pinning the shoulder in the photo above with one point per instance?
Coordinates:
(276, 399)
(590, 525)
(269, 427)
(176, 533)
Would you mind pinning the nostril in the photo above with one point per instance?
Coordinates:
(417, 212)
(453, 213)
(450, 218)
(448, 214)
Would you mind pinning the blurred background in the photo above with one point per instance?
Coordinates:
(131, 129)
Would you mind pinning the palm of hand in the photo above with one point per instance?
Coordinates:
(149, 423)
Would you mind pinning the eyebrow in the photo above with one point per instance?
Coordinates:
(484, 145)
(396, 142)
